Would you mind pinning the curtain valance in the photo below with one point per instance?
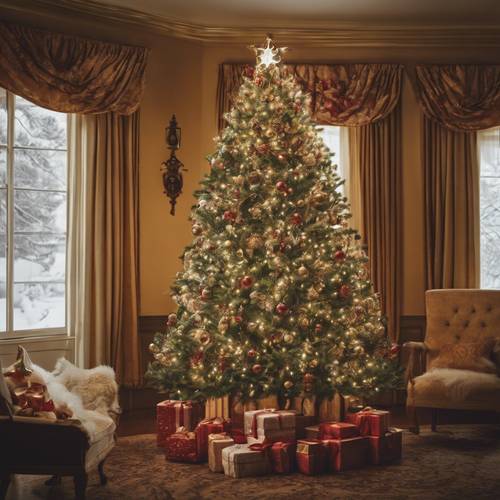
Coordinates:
(351, 95)
(69, 74)
(460, 97)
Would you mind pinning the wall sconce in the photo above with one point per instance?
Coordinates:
(172, 177)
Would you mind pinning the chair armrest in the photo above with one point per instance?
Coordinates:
(417, 360)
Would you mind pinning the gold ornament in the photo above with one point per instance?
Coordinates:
(303, 321)
(153, 348)
(288, 384)
(302, 271)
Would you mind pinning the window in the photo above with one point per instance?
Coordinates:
(489, 203)
(334, 140)
(33, 193)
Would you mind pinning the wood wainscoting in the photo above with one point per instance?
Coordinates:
(412, 328)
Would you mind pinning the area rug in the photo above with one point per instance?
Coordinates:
(456, 462)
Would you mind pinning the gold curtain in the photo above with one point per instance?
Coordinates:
(365, 98)
(112, 170)
(376, 156)
(451, 180)
(460, 97)
(69, 74)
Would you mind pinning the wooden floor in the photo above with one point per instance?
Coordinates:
(143, 421)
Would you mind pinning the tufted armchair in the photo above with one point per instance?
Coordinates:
(457, 365)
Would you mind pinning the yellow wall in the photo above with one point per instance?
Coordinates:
(181, 79)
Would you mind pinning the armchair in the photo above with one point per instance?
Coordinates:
(36, 445)
(463, 328)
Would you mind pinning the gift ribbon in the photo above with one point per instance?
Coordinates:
(264, 412)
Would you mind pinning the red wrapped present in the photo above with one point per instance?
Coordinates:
(346, 454)
(181, 447)
(302, 422)
(310, 456)
(337, 430)
(171, 414)
(387, 448)
(238, 435)
(370, 422)
(283, 457)
(209, 426)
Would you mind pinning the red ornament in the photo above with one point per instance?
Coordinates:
(246, 282)
(257, 369)
(296, 219)
(339, 255)
(205, 294)
(258, 80)
(238, 319)
(229, 215)
(249, 71)
(344, 291)
(394, 350)
(318, 328)
(252, 353)
(281, 308)
(308, 378)
(262, 149)
(281, 186)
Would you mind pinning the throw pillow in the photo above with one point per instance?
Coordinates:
(474, 356)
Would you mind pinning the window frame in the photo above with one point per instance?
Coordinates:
(9, 333)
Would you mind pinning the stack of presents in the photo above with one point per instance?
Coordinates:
(276, 441)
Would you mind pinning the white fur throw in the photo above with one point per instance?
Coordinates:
(92, 395)
(460, 383)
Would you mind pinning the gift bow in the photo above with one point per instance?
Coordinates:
(33, 397)
(264, 411)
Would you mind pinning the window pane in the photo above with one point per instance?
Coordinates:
(3, 167)
(39, 127)
(490, 232)
(3, 116)
(39, 305)
(40, 169)
(3, 260)
(39, 212)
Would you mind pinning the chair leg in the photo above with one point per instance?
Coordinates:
(412, 413)
(4, 484)
(434, 419)
(102, 475)
(80, 481)
(53, 481)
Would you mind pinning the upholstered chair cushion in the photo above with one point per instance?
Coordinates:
(474, 356)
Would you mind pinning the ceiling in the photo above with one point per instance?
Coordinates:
(261, 13)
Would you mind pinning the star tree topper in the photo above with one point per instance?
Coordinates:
(268, 55)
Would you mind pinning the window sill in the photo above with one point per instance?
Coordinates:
(16, 339)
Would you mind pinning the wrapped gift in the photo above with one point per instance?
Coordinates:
(301, 423)
(172, 414)
(240, 460)
(216, 443)
(337, 430)
(370, 422)
(181, 447)
(238, 435)
(310, 456)
(346, 454)
(387, 448)
(270, 425)
(312, 432)
(283, 457)
(205, 428)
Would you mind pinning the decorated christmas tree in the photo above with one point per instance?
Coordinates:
(275, 297)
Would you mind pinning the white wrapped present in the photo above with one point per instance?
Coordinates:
(240, 461)
(216, 443)
(271, 425)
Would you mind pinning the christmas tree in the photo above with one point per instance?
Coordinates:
(275, 297)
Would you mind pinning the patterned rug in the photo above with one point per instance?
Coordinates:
(456, 462)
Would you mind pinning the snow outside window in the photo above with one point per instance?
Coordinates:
(33, 194)
(334, 140)
(489, 203)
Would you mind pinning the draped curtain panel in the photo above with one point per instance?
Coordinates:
(457, 100)
(364, 97)
(69, 74)
(112, 143)
(451, 180)
(376, 155)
